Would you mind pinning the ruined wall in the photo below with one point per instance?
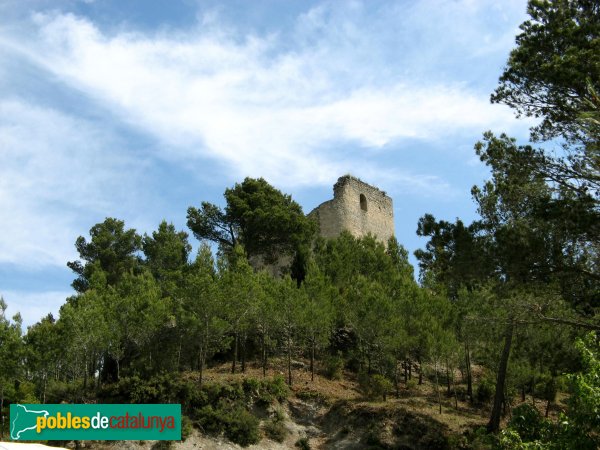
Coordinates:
(357, 207)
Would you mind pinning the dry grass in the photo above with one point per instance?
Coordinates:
(420, 400)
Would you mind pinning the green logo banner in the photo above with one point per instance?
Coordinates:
(95, 422)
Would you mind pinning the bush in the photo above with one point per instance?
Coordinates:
(276, 388)
(242, 427)
(276, 430)
(211, 420)
(485, 391)
(234, 421)
(162, 445)
(26, 392)
(186, 427)
(380, 387)
(411, 385)
(303, 444)
(312, 396)
(60, 391)
(528, 422)
(375, 386)
(334, 367)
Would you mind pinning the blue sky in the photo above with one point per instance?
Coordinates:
(139, 109)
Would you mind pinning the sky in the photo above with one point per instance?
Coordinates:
(139, 109)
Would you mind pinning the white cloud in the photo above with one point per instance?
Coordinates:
(261, 107)
(33, 305)
(285, 105)
(56, 172)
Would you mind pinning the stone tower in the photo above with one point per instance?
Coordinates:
(357, 207)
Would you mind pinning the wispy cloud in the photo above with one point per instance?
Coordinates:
(284, 104)
(55, 173)
(32, 306)
(262, 106)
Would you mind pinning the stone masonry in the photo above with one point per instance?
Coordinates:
(357, 207)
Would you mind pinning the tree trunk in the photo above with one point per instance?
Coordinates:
(2, 412)
(179, 353)
(312, 360)
(85, 372)
(420, 372)
(494, 423)
(396, 382)
(469, 373)
(201, 361)
(409, 369)
(289, 361)
(264, 355)
(448, 389)
(405, 366)
(454, 391)
(244, 354)
(235, 353)
(44, 389)
(548, 408)
(437, 387)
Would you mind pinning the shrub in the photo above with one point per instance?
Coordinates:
(233, 420)
(242, 427)
(411, 385)
(211, 420)
(334, 366)
(303, 444)
(380, 386)
(277, 388)
(186, 427)
(276, 430)
(527, 422)
(364, 382)
(312, 396)
(26, 392)
(60, 391)
(375, 386)
(162, 445)
(485, 391)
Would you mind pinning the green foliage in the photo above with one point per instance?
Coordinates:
(186, 427)
(334, 367)
(380, 386)
(485, 390)
(112, 249)
(411, 384)
(374, 386)
(11, 352)
(528, 422)
(584, 403)
(579, 427)
(275, 428)
(162, 445)
(547, 73)
(59, 391)
(167, 252)
(302, 444)
(258, 216)
(242, 427)
(238, 425)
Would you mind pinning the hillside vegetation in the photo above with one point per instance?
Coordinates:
(495, 346)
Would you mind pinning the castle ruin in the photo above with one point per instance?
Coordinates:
(358, 208)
